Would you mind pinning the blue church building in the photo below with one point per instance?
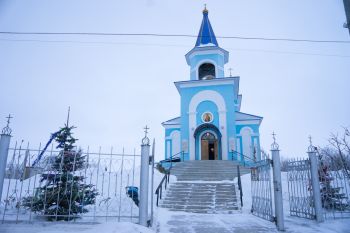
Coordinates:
(211, 125)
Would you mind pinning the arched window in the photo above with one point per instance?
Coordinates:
(246, 133)
(206, 71)
(208, 136)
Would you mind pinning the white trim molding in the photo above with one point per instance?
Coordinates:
(206, 52)
(215, 97)
(204, 83)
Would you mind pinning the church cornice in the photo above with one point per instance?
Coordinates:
(212, 82)
(206, 50)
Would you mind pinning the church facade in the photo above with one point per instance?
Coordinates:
(211, 125)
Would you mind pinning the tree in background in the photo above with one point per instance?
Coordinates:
(335, 162)
(62, 194)
(338, 152)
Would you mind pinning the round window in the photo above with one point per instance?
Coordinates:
(207, 117)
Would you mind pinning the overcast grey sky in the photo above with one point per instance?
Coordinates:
(116, 85)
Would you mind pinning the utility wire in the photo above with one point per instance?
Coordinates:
(171, 35)
(172, 45)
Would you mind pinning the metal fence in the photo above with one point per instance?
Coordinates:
(300, 191)
(332, 188)
(261, 190)
(109, 173)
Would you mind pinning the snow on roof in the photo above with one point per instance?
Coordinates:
(174, 121)
(206, 45)
(241, 116)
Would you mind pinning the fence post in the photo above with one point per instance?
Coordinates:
(315, 182)
(277, 184)
(144, 175)
(4, 149)
(152, 180)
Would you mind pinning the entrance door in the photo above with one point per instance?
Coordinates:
(209, 147)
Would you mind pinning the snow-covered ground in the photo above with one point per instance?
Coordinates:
(107, 227)
(166, 221)
(243, 220)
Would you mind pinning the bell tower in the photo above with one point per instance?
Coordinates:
(210, 125)
(206, 59)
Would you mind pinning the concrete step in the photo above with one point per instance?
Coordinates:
(201, 197)
(203, 187)
(207, 170)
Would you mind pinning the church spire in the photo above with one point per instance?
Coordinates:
(206, 36)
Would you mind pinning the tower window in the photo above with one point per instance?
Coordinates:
(206, 71)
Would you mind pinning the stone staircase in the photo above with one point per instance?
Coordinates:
(204, 186)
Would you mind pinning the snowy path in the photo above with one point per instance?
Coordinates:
(182, 222)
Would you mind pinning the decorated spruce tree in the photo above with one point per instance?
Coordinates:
(332, 197)
(63, 194)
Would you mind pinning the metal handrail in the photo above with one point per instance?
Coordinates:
(166, 178)
(176, 155)
(159, 189)
(244, 156)
(240, 185)
(171, 158)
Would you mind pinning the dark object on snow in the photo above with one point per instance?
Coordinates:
(133, 193)
(171, 160)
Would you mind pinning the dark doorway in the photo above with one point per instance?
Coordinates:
(211, 148)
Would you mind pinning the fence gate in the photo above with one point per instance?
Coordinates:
(261, 190)
(300, 189)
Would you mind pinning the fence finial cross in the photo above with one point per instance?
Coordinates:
(274, 145)
(9, 117)
(146, 130)
(311, 147)
(7, 130)
(145, 140)
(310, 140)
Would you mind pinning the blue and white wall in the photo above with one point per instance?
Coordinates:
(212, 96)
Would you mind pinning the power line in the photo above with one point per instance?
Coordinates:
(170, 35)
(172, 45)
